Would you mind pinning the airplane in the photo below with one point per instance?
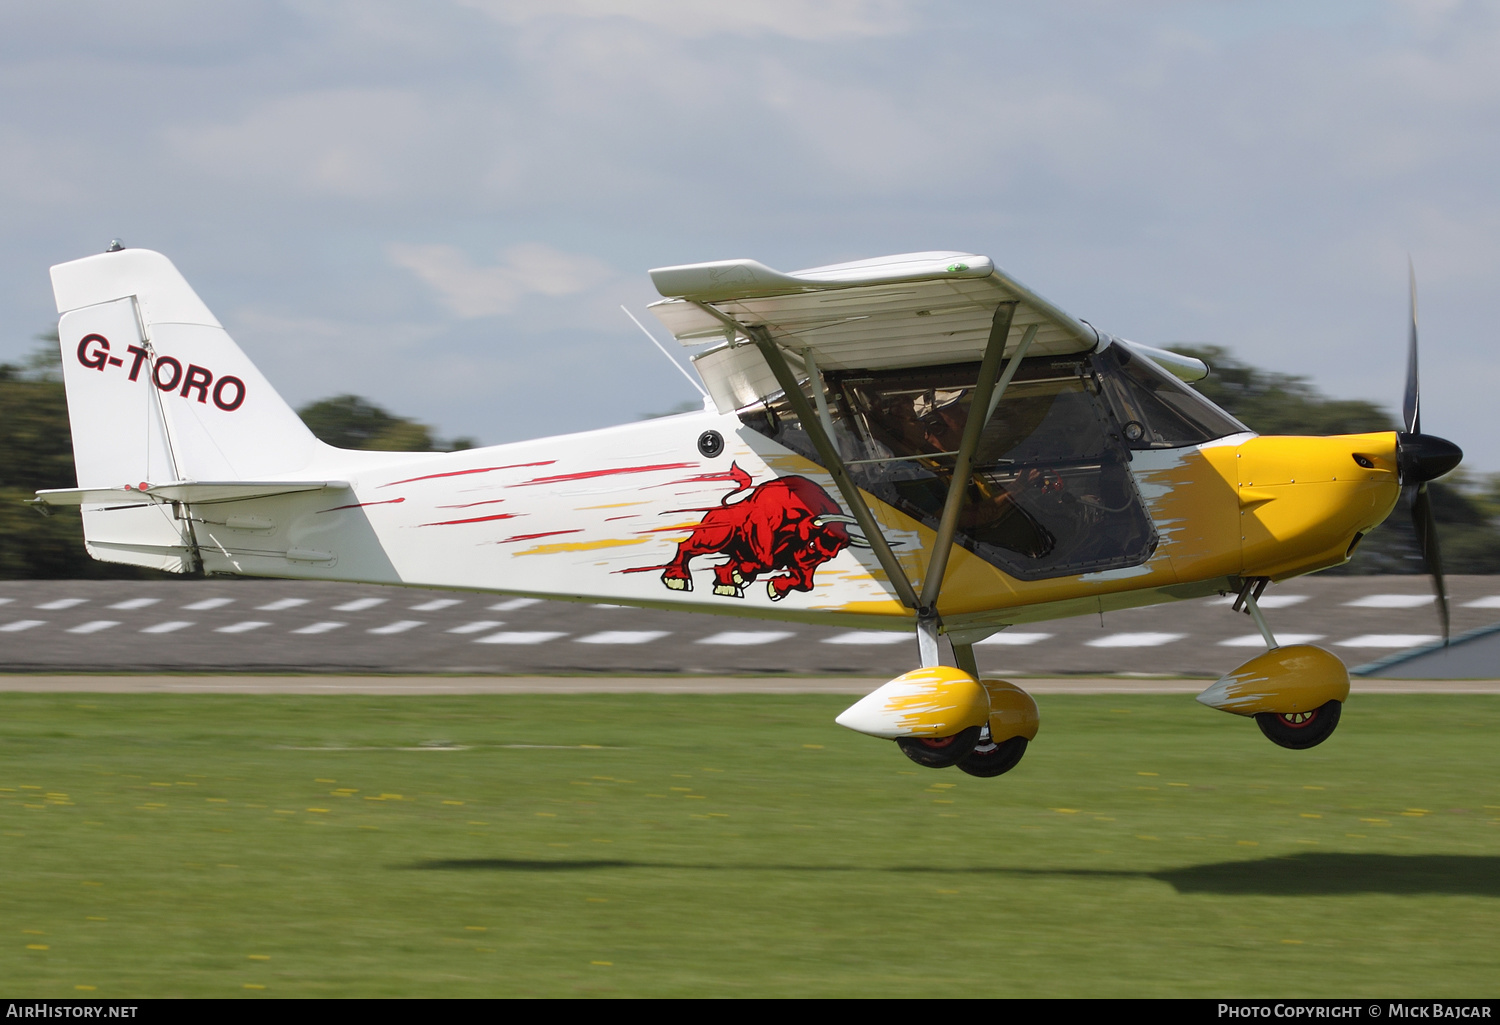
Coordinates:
(917, 443)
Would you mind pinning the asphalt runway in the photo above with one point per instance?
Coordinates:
(427, 686)
(231, 625)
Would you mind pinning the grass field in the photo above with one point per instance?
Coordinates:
(736, 845)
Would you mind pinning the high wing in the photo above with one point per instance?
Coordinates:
(915, 309)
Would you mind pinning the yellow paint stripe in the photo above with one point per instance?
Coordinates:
(583, 546)
(613, 505)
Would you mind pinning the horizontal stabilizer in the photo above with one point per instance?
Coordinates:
(193, 492)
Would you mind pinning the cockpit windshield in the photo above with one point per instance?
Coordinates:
(1155, 409)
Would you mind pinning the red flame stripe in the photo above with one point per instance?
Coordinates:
(361, 505)
(472, 519)
(586, 474)
(460, 473)
(545, 533)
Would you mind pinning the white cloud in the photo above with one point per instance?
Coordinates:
(471, 291)
(794, 19)
(352, 143)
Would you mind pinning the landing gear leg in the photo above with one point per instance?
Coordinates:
(963, 655)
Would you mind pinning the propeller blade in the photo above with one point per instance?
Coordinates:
(1411, 408)
(1427, 539)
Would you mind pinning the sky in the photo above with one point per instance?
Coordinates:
(442, 205)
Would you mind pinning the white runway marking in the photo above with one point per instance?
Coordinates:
(1390, 601)
(21, 624)
(602, 606)
(398, 627)
(135, 603)
(1388, 640)
(868, 637)
(476, 627)
(167, 627)
(1257, 641)
(244, 627)
(624, 637)
(1269, 601)
(93, 627)
(318, 628)
(63, 603)
(515, 603)
(1015, 639)
(1135, 640)
(436, 604)
(745, 638)
(282, 604)
(359, 604)
(209, 603)
(521, 637)
(1489, 602)
(6, 601)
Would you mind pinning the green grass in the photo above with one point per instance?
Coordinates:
(736, 845)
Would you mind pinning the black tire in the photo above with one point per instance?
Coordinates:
(939, 752)
(1300, 730)
(988, 759)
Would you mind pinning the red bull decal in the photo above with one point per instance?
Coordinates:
(787, 524)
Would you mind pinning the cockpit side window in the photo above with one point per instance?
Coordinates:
(1155, 409)
(1051, 491)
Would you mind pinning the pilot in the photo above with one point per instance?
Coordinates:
(991, 513)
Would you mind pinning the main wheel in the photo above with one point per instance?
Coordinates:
(990, 759)
(939, 752)
(1300, 730)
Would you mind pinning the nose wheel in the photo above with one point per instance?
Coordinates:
(1300, 730)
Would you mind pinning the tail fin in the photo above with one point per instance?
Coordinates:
(157, 393)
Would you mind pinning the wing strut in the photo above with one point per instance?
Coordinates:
(982, 403)
(832, 461)
(988, 391)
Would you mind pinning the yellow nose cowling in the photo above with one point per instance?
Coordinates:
(1304, 502)
(1296, 678)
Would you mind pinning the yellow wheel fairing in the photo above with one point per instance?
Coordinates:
(938, 701)
(1013, 712)
(1296, 678)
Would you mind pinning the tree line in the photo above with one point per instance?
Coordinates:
(36, 452)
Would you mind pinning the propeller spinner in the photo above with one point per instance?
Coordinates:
(1421, 458)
